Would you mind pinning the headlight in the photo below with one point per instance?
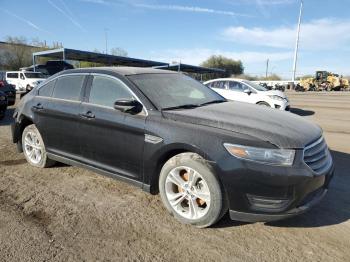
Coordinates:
(279, 98)
(2, 98)
(277, 157)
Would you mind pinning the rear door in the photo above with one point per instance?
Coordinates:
(221, 88)
(111, 140)
(57, 109)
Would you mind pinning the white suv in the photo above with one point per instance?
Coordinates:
(24, 81)
(246, 91)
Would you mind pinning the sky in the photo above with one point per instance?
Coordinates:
(191, 31)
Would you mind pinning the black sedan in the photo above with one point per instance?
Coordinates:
(9, 90)
(168, 133)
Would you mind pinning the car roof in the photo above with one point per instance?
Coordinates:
(122, 70)
(226, 79)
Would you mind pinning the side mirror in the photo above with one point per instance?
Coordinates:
(128, 106)
(247, 91)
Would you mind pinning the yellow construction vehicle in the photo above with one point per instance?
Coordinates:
(325, 81)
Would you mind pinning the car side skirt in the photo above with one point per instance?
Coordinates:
(97, 170)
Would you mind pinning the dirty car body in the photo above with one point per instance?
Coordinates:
(134, 147)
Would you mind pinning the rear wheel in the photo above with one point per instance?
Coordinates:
(34, 148)
(190, 190)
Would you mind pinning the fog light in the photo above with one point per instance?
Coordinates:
(268, 204)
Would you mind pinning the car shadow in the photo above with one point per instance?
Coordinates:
(333, 209)
(8, 119)
(301, 112)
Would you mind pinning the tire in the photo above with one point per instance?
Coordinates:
(263, 104)
(34, 148)
(206, 211)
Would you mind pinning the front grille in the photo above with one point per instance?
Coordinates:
(318, 157)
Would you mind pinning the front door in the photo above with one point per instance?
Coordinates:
(110, 139)
(236, 91)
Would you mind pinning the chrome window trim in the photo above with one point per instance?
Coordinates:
(92, 74)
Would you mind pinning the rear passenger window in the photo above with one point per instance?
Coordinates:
(46, 90)
(68, 87)
(12, 75)
(219, 84)
(105, 91)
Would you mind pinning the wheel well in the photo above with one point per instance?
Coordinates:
(154, 189)
(23, 124)
(262, 102)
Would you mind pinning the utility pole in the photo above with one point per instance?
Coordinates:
(297, 42)
(106, 40)
(267, 67)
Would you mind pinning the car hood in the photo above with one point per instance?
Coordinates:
(283, 129)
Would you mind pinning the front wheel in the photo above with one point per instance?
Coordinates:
(190, 190)
(34, 148)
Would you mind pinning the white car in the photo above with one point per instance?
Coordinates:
(24, 81)
(247, 91)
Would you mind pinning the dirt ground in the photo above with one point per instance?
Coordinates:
(70, 214)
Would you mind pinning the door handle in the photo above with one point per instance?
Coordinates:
(87, 115)
(38, 107)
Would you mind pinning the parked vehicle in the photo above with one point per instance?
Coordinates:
(3, 104)
(23, 80)
(50, 68)
(165, 132)
(9, 90)
(249, 92)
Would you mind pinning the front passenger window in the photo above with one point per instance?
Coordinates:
(105, 91)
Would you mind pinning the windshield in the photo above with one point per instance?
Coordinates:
(169, 91)
(254, 85)
(34, 75)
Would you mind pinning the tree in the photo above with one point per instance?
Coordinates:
(16, 54)
(231, 67)
(118, 51)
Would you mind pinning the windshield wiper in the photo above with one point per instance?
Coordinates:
(212, 102)
(188, 106)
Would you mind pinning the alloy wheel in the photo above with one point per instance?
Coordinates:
(187, 192)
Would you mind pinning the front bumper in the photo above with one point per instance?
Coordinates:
(252, 217)
(258, 192)
(281, 105)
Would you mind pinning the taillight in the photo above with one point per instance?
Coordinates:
(2, 83)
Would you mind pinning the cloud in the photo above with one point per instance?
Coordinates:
(26, 21)
(322, 34)
(70, 17)
(198, 55)
(180, 8)
(193, 9)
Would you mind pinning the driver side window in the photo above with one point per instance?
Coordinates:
(105, 91)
